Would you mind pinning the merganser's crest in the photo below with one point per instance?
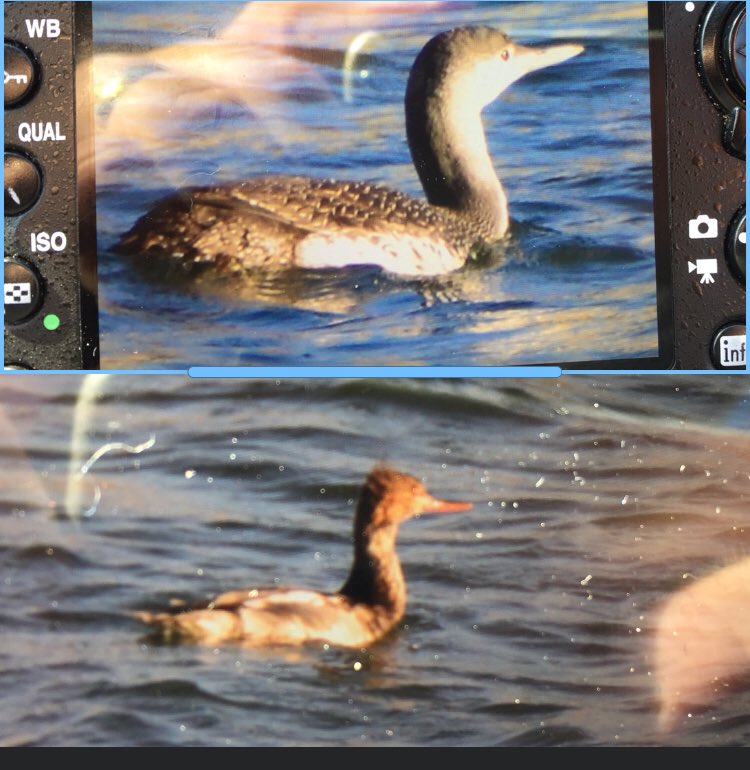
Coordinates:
(370, 603)
(281, 222)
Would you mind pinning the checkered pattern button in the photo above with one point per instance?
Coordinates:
(21, 291)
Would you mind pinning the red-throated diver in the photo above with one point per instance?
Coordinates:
(279, 222)
(370, 603)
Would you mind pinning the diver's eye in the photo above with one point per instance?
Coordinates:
(505, 54)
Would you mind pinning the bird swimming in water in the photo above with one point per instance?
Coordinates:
(274, 223)
(369, 604)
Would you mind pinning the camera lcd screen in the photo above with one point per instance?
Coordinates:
(205, 95)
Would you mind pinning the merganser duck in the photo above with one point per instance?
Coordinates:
(280, 222)
(369, 604)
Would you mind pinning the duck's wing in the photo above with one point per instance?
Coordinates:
(278, 222)
(316, 205)
(338, 224)
(230, 600)
(273, 617)
(210, 229)
(295, 616)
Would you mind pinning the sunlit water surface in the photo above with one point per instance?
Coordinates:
(199, 93)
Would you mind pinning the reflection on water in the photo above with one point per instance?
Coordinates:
(312, 97)
(608, 515)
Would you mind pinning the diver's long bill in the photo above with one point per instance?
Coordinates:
(434, 505)
(538, 58)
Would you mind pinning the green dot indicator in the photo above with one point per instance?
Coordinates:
(51, 322)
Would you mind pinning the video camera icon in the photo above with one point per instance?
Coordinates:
(706, 268)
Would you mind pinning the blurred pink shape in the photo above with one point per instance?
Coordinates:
(702, 644)
(197, 80)
(286, 17)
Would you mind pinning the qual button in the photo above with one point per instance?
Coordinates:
(20, 75)
(22, 291)
(23, 183)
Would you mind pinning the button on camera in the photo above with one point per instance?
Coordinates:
(20, 75)
(721, 51)
(22, 291)
(736, 244)
(728, 350)
(23, 183)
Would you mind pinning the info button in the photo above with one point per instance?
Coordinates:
(728, 350)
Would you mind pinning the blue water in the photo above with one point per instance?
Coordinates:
(181, 103)
(531, 618)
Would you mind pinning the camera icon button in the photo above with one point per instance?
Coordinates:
(728, 350)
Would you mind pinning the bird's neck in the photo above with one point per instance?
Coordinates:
(376, 577)
(449, 150)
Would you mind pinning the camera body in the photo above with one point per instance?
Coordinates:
(696, 70)
(701, 178)
(51, 308)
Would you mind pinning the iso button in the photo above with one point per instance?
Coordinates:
(20, 75)
(22, 291)
(23, 183)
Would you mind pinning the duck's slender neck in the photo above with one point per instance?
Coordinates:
(376, 577)
(449, 150)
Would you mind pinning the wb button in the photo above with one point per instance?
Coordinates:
(729, 347)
